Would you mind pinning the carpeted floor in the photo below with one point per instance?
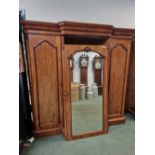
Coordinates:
(119, 141)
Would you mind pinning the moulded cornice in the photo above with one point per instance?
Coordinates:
(79, 28)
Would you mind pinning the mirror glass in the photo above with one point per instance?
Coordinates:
(87, 92)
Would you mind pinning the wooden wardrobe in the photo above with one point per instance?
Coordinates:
(45, 43)
(130, 96)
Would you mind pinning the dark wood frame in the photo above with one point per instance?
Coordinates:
(98, 71)
(94, 61)
(70, 50)
(83, 70)
(81, 58)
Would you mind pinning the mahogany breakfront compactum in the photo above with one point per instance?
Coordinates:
(50, 53)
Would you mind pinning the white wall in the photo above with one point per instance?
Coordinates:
(119, 13)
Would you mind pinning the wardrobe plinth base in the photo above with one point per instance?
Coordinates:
(47, 132)
(116, 120)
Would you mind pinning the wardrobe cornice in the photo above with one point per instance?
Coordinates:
(78, 28)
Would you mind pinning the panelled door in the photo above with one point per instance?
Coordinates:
(45, 80)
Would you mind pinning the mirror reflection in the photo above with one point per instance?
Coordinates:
(86, 92)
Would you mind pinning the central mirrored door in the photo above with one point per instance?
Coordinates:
(85, 75)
